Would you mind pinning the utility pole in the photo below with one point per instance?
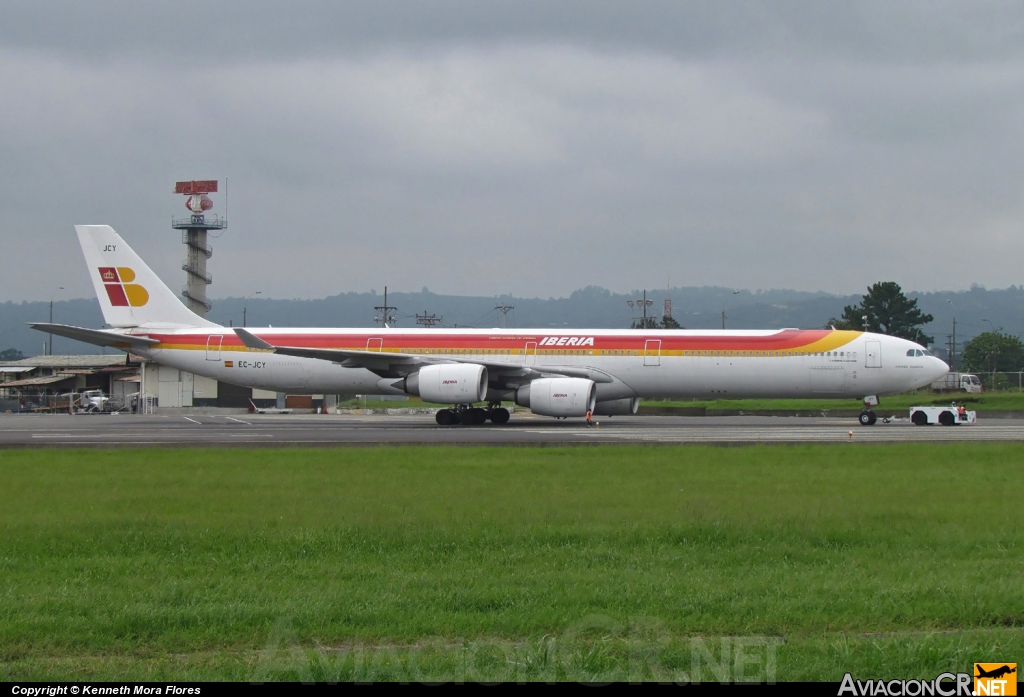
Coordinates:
(952, 346)
(49, 345)
(428, 320)
(503, 309)
(952, 355)
(384, 311)
(993, 355)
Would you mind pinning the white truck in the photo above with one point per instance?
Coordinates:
(952, 415)
(958, 382)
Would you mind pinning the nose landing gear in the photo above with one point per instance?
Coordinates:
(868, 417)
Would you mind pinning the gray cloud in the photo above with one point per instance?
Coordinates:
(531, 148)
(190, 32)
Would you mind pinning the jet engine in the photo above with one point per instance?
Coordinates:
(449, 383)
(558, 396)
(617, 407)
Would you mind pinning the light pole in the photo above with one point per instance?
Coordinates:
(994, 355)
(726, 304)
(246, 304)
(49, 344)
(952, 341)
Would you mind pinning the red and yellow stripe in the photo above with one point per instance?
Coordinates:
(786, 342)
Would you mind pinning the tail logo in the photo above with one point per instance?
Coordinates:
(120, 289)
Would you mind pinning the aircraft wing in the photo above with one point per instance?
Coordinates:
(371, 360)
(570, 371)
(401, 364)
(99, 337)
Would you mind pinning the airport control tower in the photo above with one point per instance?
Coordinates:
(194, 230)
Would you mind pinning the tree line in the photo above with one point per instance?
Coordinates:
(885, 309)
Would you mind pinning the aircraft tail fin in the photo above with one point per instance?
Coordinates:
(130, 294)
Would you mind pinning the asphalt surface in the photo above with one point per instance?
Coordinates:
(33, 430)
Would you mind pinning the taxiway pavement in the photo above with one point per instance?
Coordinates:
(24, 430)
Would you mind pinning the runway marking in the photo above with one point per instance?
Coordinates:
(109, 436)
(806, 433)
(219, 430)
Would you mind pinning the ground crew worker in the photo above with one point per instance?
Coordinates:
(590, 418)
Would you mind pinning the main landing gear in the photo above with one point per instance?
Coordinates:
(868, 417)
(472, 416)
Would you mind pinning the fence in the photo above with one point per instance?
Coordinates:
(1002, 382)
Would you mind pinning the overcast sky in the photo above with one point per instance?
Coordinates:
(524, 147)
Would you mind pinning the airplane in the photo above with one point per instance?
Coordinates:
(253, 409)
(562, 374)
(994, 673)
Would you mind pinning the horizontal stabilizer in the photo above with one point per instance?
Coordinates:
(252, 341)
(99, 337)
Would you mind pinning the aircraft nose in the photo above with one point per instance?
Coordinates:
(940, 368)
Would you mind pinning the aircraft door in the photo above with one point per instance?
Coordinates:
(652, 352)
(213, 344)
(872, 354)
(375, 345)
(531, 352)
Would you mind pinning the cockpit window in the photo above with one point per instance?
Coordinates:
(911, 352)
(917, 352)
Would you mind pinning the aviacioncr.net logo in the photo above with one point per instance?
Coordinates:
(992, 679)
(120, 289)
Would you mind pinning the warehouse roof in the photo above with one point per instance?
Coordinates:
(36, 382)
(87, 361)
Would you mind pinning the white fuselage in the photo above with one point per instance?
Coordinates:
(641, 363)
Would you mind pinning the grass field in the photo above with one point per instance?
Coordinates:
(510, 563)
(992, 401)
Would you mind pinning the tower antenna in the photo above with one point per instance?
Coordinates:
(194, 231)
